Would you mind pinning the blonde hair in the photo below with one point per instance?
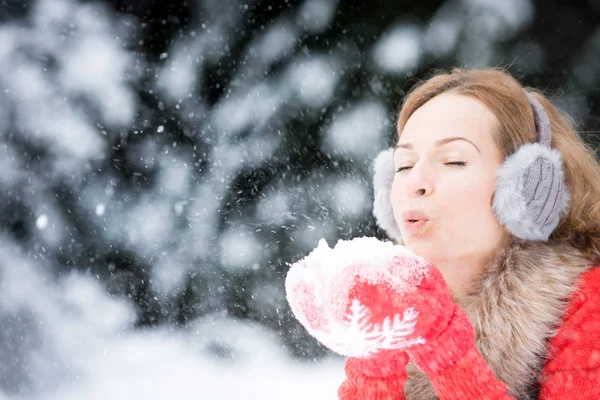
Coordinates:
(505, 97)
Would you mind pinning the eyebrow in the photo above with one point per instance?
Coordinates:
(438, 143)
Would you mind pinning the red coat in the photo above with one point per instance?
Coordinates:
(571, 372)
(573, 367)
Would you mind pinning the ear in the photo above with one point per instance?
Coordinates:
(531, 195)
(383, 179)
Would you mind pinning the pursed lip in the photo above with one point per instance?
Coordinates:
(414, 216)
(414, 221)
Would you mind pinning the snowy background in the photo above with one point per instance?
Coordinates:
(162, 161)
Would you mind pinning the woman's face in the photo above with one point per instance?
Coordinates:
(445, 162)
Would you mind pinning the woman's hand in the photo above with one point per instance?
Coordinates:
(378, 304)
(353, 300)
(364, 297)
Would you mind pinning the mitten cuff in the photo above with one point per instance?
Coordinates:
(379, 365)
(469, 378)
(450, 346)
(454, 365)
(374, 378)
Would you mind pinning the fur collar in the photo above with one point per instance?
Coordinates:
(516, 306)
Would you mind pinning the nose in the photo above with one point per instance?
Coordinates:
(419, 182)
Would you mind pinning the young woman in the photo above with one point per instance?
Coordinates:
(490, 184)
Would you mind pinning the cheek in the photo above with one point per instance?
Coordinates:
(473, 200)
(396, 196)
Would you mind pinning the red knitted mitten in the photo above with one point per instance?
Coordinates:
(369, 300)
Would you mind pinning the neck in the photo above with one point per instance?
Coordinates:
(462, 271)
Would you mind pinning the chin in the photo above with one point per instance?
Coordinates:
(424, 248)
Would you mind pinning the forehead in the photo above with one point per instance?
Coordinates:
(448, 115)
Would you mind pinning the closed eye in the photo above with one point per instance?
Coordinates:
(457, 163)
(453, 163)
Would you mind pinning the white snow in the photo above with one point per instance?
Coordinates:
(513, 14)
(89, 64)
(240, 249)
(313, 80)
(175, 175)
(149, 225)
(51, 225)
(169, 273)
(315, 16)
(319, 286)
(442, 34)
(177, 77)
(350, 198)
(42, 221)
(100, 208)
(326, 263)
(89, 350)
(253, 106)
(55, 123)
(10, 164)
(306, 236)
(399, 50)
(277, 41)
(274, 208)
(358, 131)
(97, 67)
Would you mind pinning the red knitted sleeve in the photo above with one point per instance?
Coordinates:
(470, 378)
(573, 367)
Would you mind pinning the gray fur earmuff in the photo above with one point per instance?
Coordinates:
(383, 178)
(531, 194)
(530, 197)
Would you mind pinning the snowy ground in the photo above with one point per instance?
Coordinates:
(74, 342)
(163, 365)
